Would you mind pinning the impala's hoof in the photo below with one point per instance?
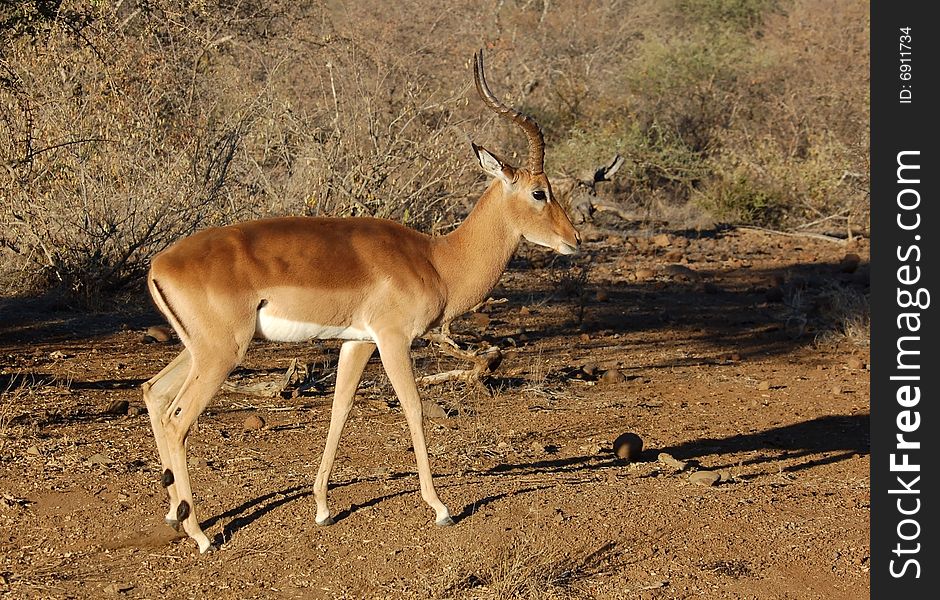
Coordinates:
(174, 523)
(445, 522)
(325, 522)
(210, 549)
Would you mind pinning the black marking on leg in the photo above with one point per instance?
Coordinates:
(182, 511)
(167, 479)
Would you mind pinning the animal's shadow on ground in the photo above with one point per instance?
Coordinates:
(821, 441)
(247, 512)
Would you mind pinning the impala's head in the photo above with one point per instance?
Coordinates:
(530, 203)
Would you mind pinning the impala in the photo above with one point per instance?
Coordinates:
(370, 282)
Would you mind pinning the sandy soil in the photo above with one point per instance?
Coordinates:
(722, 349)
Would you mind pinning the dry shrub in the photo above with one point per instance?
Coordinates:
(527, 569)
(126, 125)
(134, 124)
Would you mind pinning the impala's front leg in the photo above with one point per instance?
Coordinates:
(396, 358)
(353, 357)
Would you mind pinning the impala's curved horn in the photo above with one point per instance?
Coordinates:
(532, 130)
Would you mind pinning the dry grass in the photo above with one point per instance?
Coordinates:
(524, 569)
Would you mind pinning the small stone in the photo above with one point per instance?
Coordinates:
(662, 240)
(584, 337)
(601, 296)
(763, 386)
(524, 311)
(673, 256)
(613, 376)
(481, 320)
(855, 363)
(849, 263)
(58, 355)
(667, 459)
(644, 274)
(32, 451)
(628, 446)
(159, 333)
(118, 407)
(253, 423)
(136, 411)
(724, 475)
(433, 410)
(538, 447)
(705, 478)
(590, 369)
(836, 390)
(682, 273)
(115, 589)
(98, 459)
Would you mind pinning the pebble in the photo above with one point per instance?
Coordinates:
(98, 459)
(836, 390)
(590, 369)
(115, 589)
(253, 423)
(136, 411)
(662, 240)
(118, 407)
(668, 459)
(644, 274)
(584, 337)
(855, 363)
(628, 446)
(849, 263)
(613, 376)
(763, 386)
(724, 475)
(601, 296)
(538, 447)
(33, 451)
(481, 320)
(433, 410)
(705, 478)
(682, 272)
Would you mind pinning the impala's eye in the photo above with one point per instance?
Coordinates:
(539, 195)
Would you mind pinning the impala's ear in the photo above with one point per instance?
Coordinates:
(492, 165)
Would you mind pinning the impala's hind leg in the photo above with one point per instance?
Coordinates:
(158, 393)
(353, 357)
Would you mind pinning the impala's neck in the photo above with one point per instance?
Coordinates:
(472, 258)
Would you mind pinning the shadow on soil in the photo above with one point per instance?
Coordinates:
(743, 310)
(821, 441)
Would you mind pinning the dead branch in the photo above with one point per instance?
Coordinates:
(803, 234)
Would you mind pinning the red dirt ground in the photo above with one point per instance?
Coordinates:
(724, 349)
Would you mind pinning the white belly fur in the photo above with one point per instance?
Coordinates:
(278, 329)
